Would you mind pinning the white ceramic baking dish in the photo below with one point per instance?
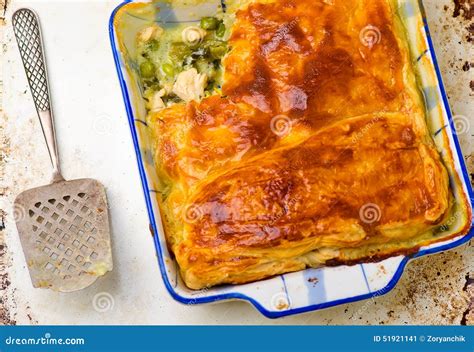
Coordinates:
(310, 289)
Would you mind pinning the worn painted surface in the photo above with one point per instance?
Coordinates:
(95, 142)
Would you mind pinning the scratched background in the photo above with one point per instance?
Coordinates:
(95, 142)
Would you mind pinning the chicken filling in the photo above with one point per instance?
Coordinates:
(182, 63)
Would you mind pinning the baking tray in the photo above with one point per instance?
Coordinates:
(310, 289)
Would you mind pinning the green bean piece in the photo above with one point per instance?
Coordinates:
(218, 51)
(178, 51)
(202, 65)
(152, 84)
(220, 29)
(168, 69)
(209, 23)
(153, 45)
(147, 69)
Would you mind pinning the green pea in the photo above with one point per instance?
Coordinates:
(209, 23)
(217, 51)
(168, 69)
(147, 69)
(220, 30)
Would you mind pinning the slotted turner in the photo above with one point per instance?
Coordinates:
(64, 226)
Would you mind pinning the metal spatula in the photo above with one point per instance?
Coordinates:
(64, 226)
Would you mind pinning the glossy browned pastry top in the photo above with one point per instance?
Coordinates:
(314, 61)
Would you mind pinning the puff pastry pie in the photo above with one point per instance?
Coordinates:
(308, 147)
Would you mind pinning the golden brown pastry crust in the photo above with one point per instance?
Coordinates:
(242, 203)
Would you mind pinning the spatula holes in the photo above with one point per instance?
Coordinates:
(94, 255)
(43, 235)
(66, 198)
(74, 202)
(61, 246)
(55, 216)
(91, 240)
(38, 204)
(71, 267)
(80, 233)
(31, 213)
(68, 252)
(49, 266)
(60, 206)
(70, 213)
(79, 259)
(51, 240)
(84, 248)
(63, 221)
(54, 256)
(39, 243)
(73, 228)
(86, 265)
(48, 225)
(94, 231)
(35, 228)
(58, 232)
(45, 210)
(77, 220)
(66, 277)
(46, 250)
(81, 195)
(84, 209)
(76, 243)
(63, 262)
(52, 201)
(40, 219)
(88, 225)
(56, 271)
(66, 237)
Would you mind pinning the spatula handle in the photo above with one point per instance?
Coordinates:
(28, 35)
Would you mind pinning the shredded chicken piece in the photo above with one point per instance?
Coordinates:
(190, 85)
(149, 33)
(156, 103)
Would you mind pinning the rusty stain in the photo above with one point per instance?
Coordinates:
(470, 31)
(5, 314)
(465, 10)
(468, 316)
(424, 296)
(3, 10)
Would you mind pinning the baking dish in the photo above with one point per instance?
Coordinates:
(312, 288)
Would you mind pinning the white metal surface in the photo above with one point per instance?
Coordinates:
(88, 102)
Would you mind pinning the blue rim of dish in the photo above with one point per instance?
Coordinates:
(236, 295)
